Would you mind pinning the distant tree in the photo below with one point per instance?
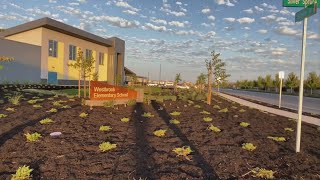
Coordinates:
(292, 81)
(95, 76)
(268, 82)
(78, 65)
(88, 66)
(134, 79)
(250, 84)
(177, 79)
(276, 82)
(260, 82)
(313, 81)
(201, 81)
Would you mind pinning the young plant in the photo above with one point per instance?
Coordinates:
(278, 139)
(46, 121)
(244, 124)
(234, 107)
(190, 102)
(3, 115)
(15, 99)
(223, 110)
(248, 146)
(72, 100)
(106, 146)
(183, 151)
(147, 115)
(10, 109)
(288, 129)
(23, 173)
(160, 132)
(216, 107)
(33, 137)
(125, 119)
(242, 110)
(32, 101)
(83, 115)
(105, 128)
(50, 98)
(174, 121)
(109, 104)
(204, 112)
(37, 106)
(52, 110)
(175, 113)
(214, 128)
(66, 107)
(263, 173)
(197, 106)
(57, 103)
(131, 102)
(207, 119)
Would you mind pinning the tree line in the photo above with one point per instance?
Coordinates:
(291, 82)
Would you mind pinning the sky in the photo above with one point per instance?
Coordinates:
(254, 37)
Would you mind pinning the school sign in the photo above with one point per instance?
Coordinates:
(300, 3)
(106, 92)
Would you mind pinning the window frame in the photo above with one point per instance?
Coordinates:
(101, 58)
(72, 52)
(87, 54)
(54, 51)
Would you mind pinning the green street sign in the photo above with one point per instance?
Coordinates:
(299, 3)
(306, 12)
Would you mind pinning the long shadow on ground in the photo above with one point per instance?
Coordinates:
(208, 171)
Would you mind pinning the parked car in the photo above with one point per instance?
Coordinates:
(182, 87)
(152, 84)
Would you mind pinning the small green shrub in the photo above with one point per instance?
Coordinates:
(46, 121)
(244, 124)
(248, 146)
(160, 132)
(204, 112)
(223, 110)
(23, 173)
(125, 119)
(3, 115)
(242, 110)
(37, 106)
(234, 107)
(278, 139)
(262, 173)
(105, 128)
(190, 102)
(15, 99)
(288, 129)
(32, 101)
(207, 119)
(216, 107)
(53, 110)
(174, 121)
(83, 115)
(183, 151)
(197, 106)
(147, 115)
(214, 128)
(33, 137)
(131, 102)
(66, 107)
(175, 113)
(107, 146)
(10, 109)
(109, 104)
(57, 103)
(72, 100)
(51, 99)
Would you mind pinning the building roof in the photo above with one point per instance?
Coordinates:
(59, 27)
(128, 72)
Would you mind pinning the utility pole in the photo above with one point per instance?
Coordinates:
(160, 75)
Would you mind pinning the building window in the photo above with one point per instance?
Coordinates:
(53, 48)
(101, 58)
(88, 53)
(72, 52)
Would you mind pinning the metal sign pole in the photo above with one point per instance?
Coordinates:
(304, 35)
(280, 90)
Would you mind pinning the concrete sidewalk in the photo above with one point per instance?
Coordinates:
(279, 112)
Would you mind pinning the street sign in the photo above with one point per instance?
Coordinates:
(299, 3)
(306, 12)
(281, 74)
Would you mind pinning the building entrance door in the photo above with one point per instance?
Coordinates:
(52, 78)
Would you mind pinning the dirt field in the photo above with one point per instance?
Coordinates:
(140, 154)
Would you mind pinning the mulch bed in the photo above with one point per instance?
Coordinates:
(140, 154)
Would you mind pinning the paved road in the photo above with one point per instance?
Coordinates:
(311, 105)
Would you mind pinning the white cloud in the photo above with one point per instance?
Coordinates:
(205, 25)
(205, 11)
(176, 23)
(74, 4)
(179, 3)
(175, 13)
(128, 11)
(82, 1)
(284, 30)
(264, 5)
(52, 1)
(263, 31)
(278, 51)
(212, 18)
(245, 20)
(313, 35)
(159, 21)
(258, 8)
(154, 27)
(249, 11)
(246, 28)
(117, 21)
(229, 19)
(126, 5)
(269, 18)
(224, 2)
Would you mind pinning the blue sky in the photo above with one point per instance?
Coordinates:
(254, 37)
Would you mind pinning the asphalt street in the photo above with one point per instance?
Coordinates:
(311, 105)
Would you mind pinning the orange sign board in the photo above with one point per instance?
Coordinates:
(105, 91)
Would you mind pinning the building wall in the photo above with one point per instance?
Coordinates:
(26, 64)
(30, 37)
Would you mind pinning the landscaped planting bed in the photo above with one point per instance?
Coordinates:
(220, 141)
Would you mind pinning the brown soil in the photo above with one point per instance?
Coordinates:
(140, 154)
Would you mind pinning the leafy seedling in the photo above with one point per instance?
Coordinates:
(197, 106)
(147, 115)
(66, 107)
(37, 106)
(10, 109)
(263, 173)
(160, 132)
(83, 115)
(51, 99)
(278, 139)
(190, 102)
(242, 110)
(234, 107)
(223, 110)
(125, 119)
(105, 128)
(57, 103)
(174, 121)
(216, 107)
(52, 110)
(71, 99)
(3, 115)
(244, 124)
(288, 129)
(33, 137)
(131, 102)
(248, 146)
(204, 112)
(214, 128)
(15, 99)
(107, 146)
(46, 121)
(207, 119)
(183, 151)
(32, 101)
(22, 173)
(175, 113)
